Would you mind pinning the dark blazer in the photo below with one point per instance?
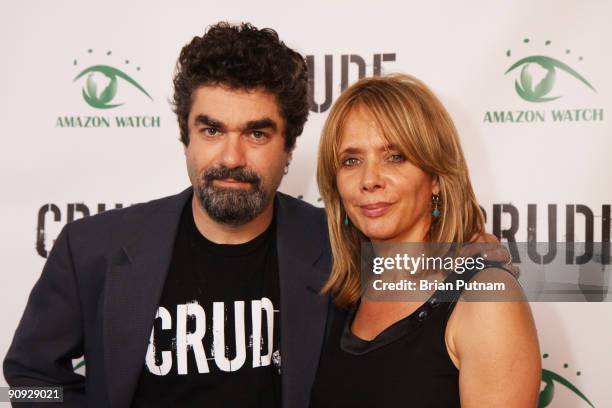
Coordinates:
(101, 285)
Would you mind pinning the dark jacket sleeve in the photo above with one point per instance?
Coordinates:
(50, 333)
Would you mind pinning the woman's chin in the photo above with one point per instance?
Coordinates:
(379, 232)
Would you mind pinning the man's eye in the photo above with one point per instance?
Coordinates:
(210, 131)
(350, 162)
(397, 158)
(258, 135)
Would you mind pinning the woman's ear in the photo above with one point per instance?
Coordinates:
(435, 184)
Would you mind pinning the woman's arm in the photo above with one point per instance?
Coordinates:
(495, 347)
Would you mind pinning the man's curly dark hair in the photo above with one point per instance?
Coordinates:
(243, 57)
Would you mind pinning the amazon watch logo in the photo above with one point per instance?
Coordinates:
(544, 75)
(102, 100)
(104, 87)
(530, 90)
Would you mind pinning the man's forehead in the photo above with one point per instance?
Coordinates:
(248, 104)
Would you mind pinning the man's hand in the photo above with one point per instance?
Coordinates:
(490, 248)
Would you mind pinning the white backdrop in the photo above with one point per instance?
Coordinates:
(518, 150)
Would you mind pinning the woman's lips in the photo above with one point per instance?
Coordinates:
(375, 210)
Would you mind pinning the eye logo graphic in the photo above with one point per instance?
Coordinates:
(79, 365)
(525, 86)
(101, 98)
(549, 378)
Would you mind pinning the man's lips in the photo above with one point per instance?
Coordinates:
(230, 182)
(375, 209)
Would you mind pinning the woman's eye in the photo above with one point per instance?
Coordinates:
(397, 158)
(351, 161)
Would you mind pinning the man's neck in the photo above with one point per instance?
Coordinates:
(230, 234)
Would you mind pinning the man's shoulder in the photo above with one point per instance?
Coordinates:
(128, 218)
(297, 205)
(298, 215)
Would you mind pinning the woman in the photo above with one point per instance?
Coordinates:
(391, 170)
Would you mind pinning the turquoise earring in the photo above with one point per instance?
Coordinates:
(346, 220)
(435, 200)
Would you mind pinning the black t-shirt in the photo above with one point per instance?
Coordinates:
(215, 338)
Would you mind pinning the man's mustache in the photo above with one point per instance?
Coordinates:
(241, 174)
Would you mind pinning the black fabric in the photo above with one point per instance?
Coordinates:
(214, 293)
(406, 365)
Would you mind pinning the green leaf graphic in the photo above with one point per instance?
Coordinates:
(526, 79)
(92, 90)
(109, 93)
(546, 85)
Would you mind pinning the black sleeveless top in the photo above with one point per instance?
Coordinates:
(406, 365)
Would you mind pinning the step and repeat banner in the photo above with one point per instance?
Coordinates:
(87, 126)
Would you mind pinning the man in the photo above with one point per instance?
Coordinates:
(203, 298)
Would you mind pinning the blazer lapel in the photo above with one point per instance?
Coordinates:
(303, 269)
(134, 284)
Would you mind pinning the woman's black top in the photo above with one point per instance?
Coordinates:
(406, 365)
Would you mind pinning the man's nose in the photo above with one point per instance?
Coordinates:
(233, 153)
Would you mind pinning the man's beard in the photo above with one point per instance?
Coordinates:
(232, 206)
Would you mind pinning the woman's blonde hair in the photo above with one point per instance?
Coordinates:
(412, 119)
